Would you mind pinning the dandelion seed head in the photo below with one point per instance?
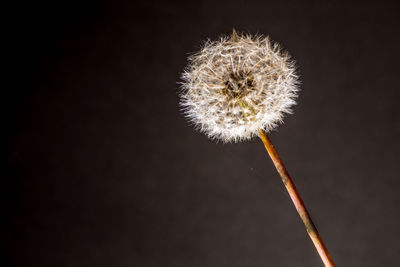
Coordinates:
(238, 85)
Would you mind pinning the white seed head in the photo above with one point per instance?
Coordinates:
(238, 85)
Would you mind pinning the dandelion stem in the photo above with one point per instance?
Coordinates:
(298, 202)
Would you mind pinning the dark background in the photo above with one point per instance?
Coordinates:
(103, 170)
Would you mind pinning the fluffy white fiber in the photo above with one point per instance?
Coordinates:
(238, 85)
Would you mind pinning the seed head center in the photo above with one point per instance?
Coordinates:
(238, 84)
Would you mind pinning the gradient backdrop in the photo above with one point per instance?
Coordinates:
(103, 170)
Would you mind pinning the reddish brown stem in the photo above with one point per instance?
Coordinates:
(298, 202)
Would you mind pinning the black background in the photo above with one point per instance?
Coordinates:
(103, 170)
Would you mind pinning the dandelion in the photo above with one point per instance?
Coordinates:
(239, 87)
(236, 86)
